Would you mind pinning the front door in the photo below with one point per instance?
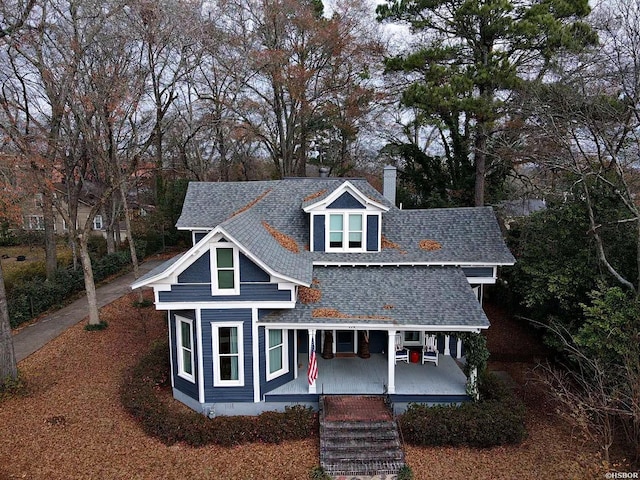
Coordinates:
(345, 342)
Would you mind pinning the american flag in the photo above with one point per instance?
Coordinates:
(312, 372)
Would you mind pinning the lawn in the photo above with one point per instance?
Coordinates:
(71, 425)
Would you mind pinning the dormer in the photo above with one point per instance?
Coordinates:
(344, 220)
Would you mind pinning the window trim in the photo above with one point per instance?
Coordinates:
(179, 347)
(215, 289)
(98, 220)
(39, 222)
(346, 231)
(285, 354)
(413, 343)
(215, 340)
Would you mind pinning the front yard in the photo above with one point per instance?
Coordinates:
(71, 425)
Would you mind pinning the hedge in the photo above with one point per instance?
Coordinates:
(497, 419)
(171, 423)
(29, 298)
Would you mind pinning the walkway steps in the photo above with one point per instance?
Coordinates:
(358, 437)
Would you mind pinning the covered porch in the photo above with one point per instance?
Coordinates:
(444, 383)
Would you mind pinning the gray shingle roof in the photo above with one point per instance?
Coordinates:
(425, 296)
(248, 230)
(467, 235)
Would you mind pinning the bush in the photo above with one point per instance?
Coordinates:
(30, 294)
(497, 419)
(140, 396)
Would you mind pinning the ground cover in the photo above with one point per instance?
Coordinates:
(71, 424)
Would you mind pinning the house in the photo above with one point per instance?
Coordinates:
(328, 269)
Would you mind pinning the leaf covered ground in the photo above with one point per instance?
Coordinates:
(70, 424)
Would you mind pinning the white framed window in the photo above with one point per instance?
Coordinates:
(34, 222)
(97, 222)
(38, 200)
(277, 353)
(225, 270)
(184, 343)
(228, 354)
(412, 337)
(345, 232)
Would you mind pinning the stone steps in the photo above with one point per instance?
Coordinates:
(353, 445)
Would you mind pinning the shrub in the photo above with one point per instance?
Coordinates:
(405, 473)
(140, 392)
(497, 419)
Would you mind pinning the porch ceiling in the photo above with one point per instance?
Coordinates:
(387, 297)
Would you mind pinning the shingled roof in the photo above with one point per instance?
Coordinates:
(467, 235)
(439, 297)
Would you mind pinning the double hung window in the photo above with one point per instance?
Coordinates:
(346, 231)
(228, 355)
(225, 271)
(184, 337)
(276, 353)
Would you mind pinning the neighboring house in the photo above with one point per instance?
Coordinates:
(511, 210)
(279, 269)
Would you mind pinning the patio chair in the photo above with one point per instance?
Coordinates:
(430, 350)
(402, 354)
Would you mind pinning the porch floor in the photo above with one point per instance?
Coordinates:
(358, 376)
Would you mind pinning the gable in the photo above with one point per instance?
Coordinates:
(200, 271)
(345, 201)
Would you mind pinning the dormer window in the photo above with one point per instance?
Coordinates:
(344, 220)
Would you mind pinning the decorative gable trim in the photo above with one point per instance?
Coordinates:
(348, 188)
(170, 275)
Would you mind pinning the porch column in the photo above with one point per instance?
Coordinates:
(447, 350)
(312, 384)
(391, 362)
(459, 349)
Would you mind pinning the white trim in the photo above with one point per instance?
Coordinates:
(255, 353)
(285, 353)
(235, 255)
(367, 325)
(200, 356)
(217, 381)
(172, 272)
(345, 214)
(347, 186)
(328, 263)
(222, 305)
(170, 347)
(179, 347)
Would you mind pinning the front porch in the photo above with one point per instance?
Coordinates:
(414, 382)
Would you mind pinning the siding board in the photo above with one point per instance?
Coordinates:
(344, 201)
(318, 233)
(198, 272)
(202, 293)
(478, 272)
(372, 233)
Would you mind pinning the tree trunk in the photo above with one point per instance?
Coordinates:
(132, 246)
(89, 284)
(108, 218)
(50, 253)
(480, 158)
(8, 365)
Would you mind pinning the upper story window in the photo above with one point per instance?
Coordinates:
(225, 270)
(97, 222)
(345, 232)
(38, 199)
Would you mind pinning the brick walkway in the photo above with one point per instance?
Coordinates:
(340, 408)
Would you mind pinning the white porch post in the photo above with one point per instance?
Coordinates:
(459, 349)
(295, 354)
(447, 350)
(312, 334)
(473, 383)
(391, 364)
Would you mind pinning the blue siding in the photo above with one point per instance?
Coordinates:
(198, 272)
(372, 233)
(227, 394)
(378, 341)
(478, 271)
(250, 272)
(202, 293)
(318, 233)
(279, 381)
(346, 200)
(197, 236)
(185, 386)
